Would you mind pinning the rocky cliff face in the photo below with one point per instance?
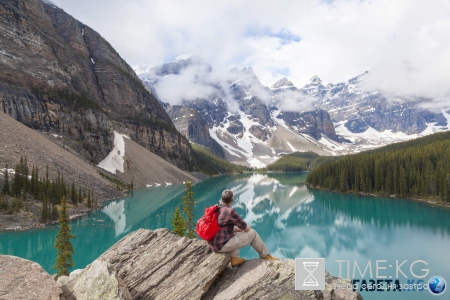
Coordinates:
(159, 264)
(313, 123)
(190, 123)
(59, 75)
(348, 102)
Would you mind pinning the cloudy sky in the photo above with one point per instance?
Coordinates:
(405, 44)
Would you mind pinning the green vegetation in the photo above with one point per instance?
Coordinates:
(208, 163)
(49, 192)
(120, 185)
(185, 226)
(178, 223)
(62, 244)
(297, 162)
(79, 102)
(188, 209)
(415, 169)
(144, 120)
(5, 188)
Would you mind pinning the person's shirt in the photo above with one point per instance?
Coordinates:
(227, 218)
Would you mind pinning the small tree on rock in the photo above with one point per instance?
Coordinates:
(188, 209)
(178, 223)
(62, 244)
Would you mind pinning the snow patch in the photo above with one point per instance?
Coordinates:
(114, 161)
(292, 147)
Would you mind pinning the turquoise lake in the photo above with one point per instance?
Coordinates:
(293, 220)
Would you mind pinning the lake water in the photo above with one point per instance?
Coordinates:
(293, 220)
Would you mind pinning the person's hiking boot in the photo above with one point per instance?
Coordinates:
(236, 261)
(270, 257)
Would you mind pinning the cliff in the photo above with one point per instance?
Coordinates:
(159, 264)
(59, 75)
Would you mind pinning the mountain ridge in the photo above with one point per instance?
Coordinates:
(59, 75)
(245, 117)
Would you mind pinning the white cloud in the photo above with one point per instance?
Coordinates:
(294, 101)
(191, 83)
(403, 43)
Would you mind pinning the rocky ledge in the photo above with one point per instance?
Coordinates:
(159, 264)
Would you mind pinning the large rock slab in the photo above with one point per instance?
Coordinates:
(260, 279)
(98, 281)
(162, 265)
(24, 279)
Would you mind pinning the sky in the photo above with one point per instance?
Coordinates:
(404, 44)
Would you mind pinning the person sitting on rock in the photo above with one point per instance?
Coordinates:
(231, 238)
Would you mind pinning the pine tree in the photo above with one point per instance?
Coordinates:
(5, 189)
(89, 201)
(54, 212)
(33, 180)
(26, 172)
(188, 209)
(80, 196)
(178, 223)
(25, 200)
(44, 210)
(73, 194)
(62, 244)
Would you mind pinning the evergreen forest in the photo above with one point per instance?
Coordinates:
(413, 169)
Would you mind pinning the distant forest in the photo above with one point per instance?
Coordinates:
(23, 186)
(415, 169)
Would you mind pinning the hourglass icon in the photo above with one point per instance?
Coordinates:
(310, 267)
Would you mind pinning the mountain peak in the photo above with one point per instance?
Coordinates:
(283, 82)
(316, 80)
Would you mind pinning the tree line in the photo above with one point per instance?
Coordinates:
(415, 169)
(50, 192)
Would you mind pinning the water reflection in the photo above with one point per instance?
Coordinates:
(116, 212)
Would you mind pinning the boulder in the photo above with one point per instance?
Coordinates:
(162, 265)
(97, 281)
(337, 294)
(24, 279)
(260, 279)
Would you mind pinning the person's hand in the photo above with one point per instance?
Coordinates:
(237, 229)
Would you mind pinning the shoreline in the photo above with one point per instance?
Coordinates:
(74, 216)
(426, 201)
(38, 225)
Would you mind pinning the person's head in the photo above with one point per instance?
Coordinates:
(227, 196)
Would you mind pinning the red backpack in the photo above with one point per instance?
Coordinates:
(207, 226)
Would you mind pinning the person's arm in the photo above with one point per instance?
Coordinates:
(237, 221)
(248, 228)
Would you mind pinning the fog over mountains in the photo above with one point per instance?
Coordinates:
(254, 124)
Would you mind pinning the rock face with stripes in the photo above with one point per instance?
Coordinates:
(162, 265)
(59, 75)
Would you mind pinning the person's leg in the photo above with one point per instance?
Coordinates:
(242, 239)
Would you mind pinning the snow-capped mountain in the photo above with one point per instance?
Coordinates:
(254, 124)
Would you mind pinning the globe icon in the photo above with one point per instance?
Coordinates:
(436, 285)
